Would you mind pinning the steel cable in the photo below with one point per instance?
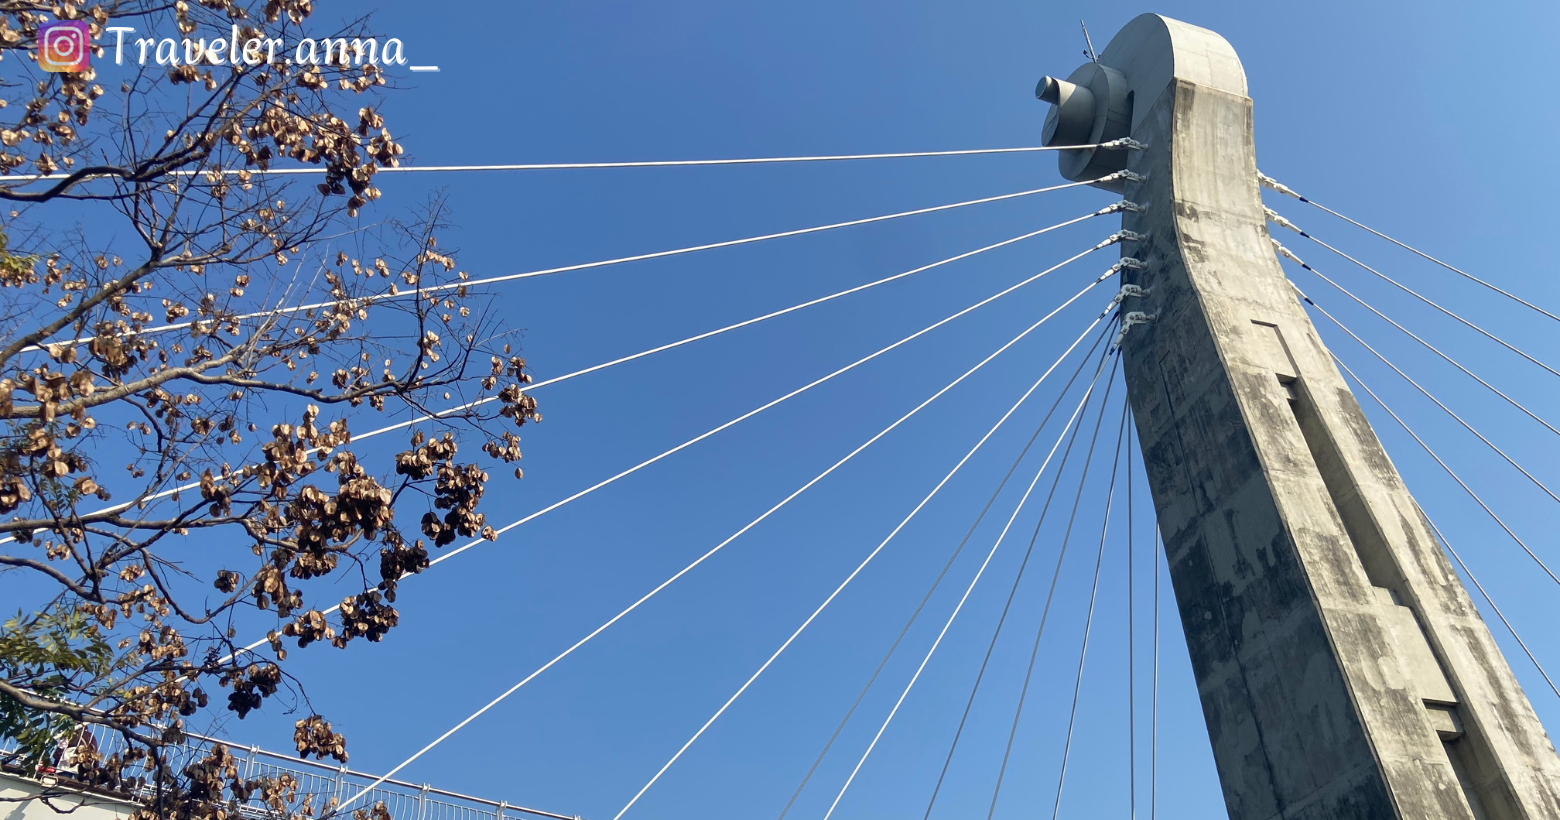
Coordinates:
(936, 582)
(690, 442)
(1491, 602)
(1432, 348)
(1131, 649)
(1012, 592)
(1427, 394)
(722, 545)
(1088, 623)
(1450, 472)
(1153, 765)
(434, 290)
(1273, 217)
(1442, 538)
(1287, 191)
(857, 571)
(951, 617)
(566, 166)
(1050, 595)
(460, 408)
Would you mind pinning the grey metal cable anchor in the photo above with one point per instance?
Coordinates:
(1136, 317)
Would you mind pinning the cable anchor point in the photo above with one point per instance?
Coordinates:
(1129, 263)
(1126, 292)
(1136, 317)
(1280, 187)
(1124, 142)
(1276, 219)
(1289, 254)
(1121, 236)
(1124, 263)
(1118, 207)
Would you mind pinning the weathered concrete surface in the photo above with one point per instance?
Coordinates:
(1344, 672)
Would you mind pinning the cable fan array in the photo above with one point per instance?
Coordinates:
(1418, 386)
(1085, 434)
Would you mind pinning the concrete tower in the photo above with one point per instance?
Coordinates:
(1342, 667)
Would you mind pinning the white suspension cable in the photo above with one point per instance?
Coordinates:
(1442, 537)
(1088, 623)
(936, 582)
(863, 565)
(460, 408)
(1432, 348)
(722, 545)
(1427, 394)
(696, 439)
(1276, 219)
(1287, 191)
(1153, 755)
(559, 166)
(1491, 602)
(1131, 647)
(1018, 578)
(729, 243)
(1024, 499)
(1449, 471)
(1056, 574)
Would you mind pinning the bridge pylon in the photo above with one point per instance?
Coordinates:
(1343, 670)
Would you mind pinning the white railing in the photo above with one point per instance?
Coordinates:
(319, 783)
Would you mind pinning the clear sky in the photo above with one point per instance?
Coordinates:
(1425, 120)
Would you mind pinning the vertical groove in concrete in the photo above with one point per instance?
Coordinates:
(1342, 667)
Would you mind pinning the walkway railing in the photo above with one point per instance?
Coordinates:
(318, 783)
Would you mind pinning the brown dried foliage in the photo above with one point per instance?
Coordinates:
(121, 441)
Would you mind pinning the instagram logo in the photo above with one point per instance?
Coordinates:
(63, 45)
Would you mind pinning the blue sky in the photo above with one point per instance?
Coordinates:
(1424, 120)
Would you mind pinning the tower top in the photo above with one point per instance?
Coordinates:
(1106, 99)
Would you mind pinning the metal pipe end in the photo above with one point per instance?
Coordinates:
(1049, 90)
